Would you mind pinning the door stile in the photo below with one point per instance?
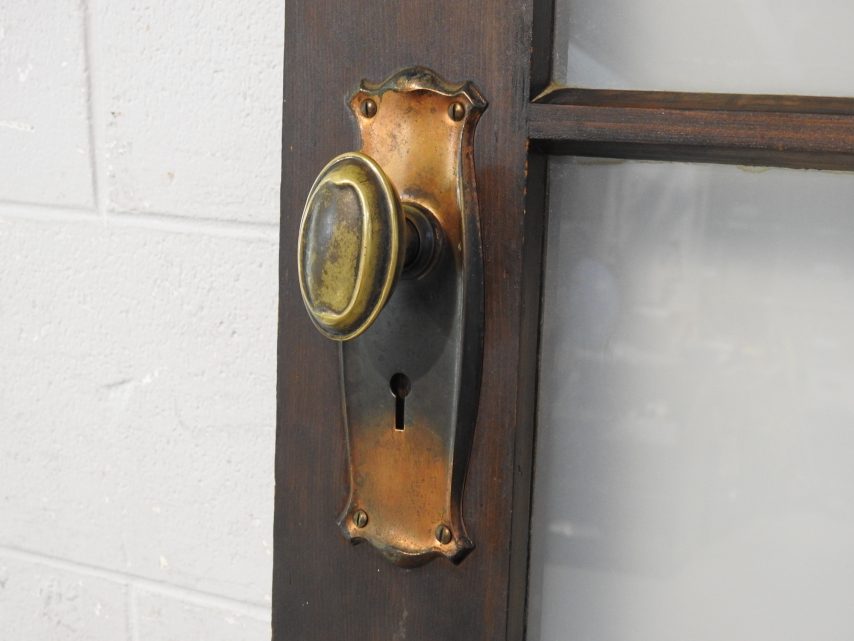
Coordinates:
(323, 587)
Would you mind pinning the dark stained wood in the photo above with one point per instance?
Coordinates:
(529, 354)
(690, 153)
(324, 589)
(786, 131)
(542, 45)
(696, 101)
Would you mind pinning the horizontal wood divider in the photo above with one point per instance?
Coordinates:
(786, 131)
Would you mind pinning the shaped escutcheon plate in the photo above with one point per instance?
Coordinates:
(411, 381)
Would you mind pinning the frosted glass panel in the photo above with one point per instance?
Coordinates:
(695, 451)
(742, 46)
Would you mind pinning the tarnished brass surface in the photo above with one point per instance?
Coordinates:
(408, 456)
(350, 250)
(401, 216)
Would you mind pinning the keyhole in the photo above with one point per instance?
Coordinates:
(400, 388)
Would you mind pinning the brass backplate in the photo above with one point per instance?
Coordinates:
(408, 454)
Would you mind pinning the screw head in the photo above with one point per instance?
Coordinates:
(443, 534)
(369, 108)
(360, 518)
(456, 111)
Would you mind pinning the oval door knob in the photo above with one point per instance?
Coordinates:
(355, 239)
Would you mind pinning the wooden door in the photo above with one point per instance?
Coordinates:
(324, 588)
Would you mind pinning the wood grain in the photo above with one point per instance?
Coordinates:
(793, 131)
(324, 589)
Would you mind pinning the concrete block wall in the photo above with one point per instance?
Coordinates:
(139, 181)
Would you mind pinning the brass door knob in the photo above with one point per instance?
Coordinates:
(356, 238)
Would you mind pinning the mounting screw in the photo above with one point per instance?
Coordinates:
(443, 534)
(360, 518)
(456, 111)
(369, 108)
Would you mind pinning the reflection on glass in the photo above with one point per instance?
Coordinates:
(695, 449)
(742, 46)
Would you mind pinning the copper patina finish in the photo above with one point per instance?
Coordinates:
(406, 484)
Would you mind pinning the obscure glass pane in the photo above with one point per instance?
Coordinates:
(695, 452)
(741, 46)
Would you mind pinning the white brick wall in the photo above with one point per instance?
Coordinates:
(139, 174)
